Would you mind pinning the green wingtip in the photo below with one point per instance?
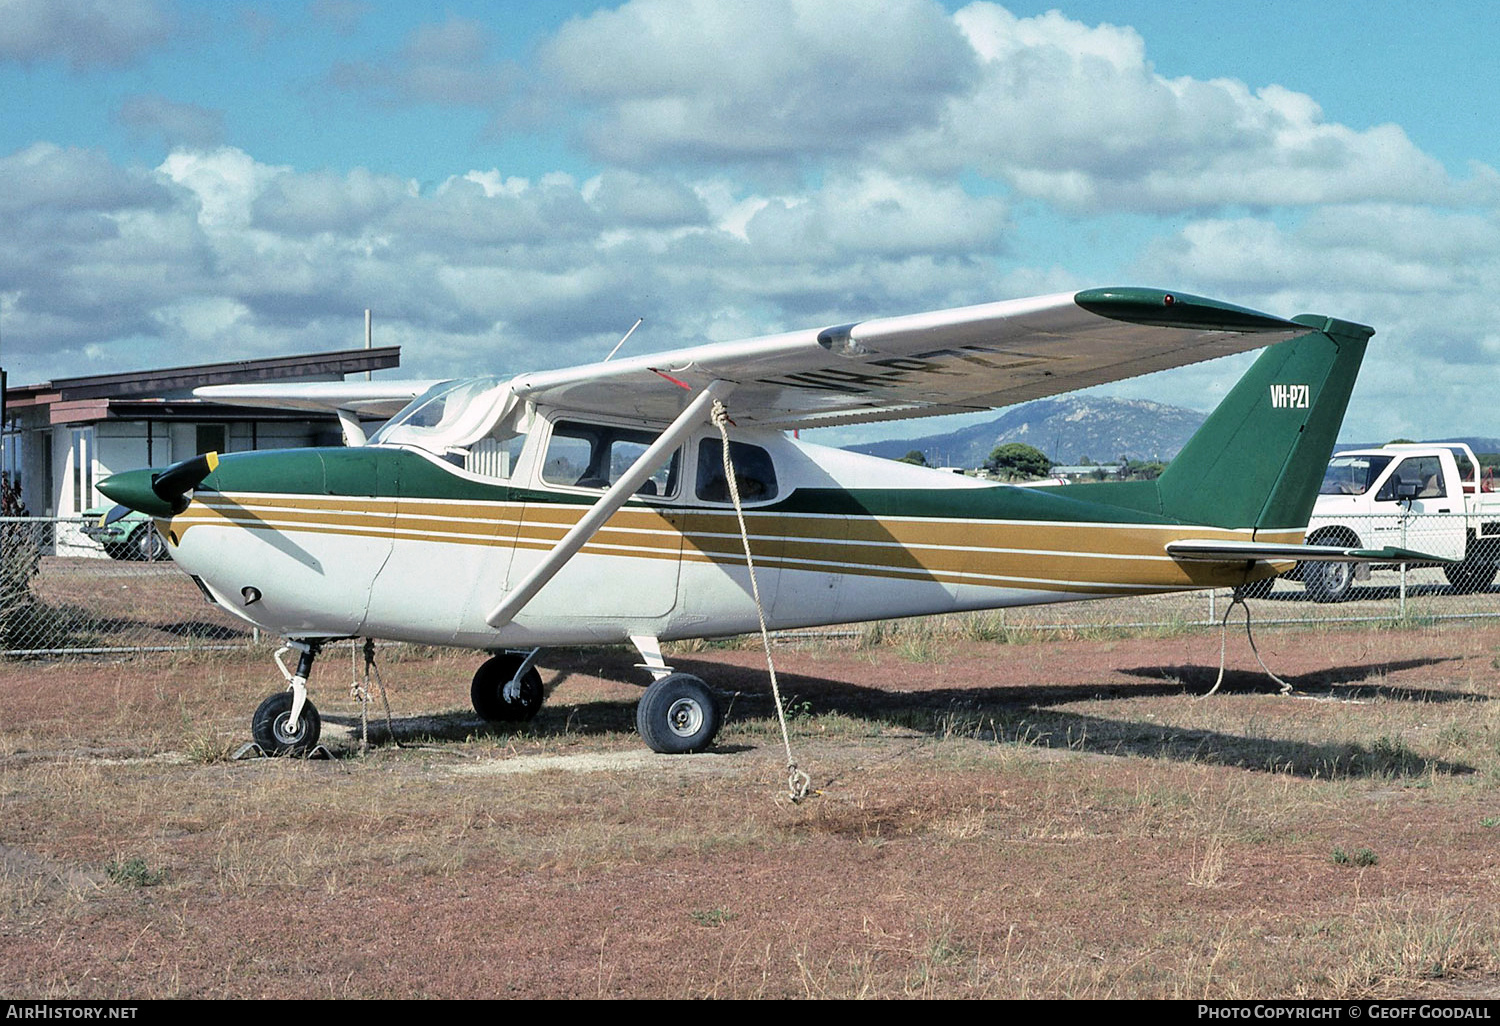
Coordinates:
(1176, 310)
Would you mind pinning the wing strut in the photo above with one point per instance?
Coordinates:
(578, 536)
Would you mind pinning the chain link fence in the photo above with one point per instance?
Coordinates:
(61, 593)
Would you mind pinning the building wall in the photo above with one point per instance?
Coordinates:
(65, 487)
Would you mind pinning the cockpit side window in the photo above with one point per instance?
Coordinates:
(754, 472)
(495, 457)
(584, 455)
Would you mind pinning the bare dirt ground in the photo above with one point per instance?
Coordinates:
(1022, 816)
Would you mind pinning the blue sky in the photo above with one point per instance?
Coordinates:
(510, 185)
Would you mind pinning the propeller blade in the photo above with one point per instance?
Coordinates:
(116, 512)
(172, 485)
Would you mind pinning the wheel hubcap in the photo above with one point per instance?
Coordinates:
(283, 735)
(685, 717)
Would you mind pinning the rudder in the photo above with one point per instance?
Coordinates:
(1259, 458)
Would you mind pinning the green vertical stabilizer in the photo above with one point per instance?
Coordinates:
(1259, 458)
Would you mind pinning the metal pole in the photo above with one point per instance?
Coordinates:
(369, 375)
(1404, 519)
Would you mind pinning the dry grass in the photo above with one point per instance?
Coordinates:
(999, 816)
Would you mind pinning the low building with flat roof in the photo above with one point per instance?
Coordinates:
(60, 438)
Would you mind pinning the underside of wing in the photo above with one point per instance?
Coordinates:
(949, 361)
(1233, 552)
(374, 399)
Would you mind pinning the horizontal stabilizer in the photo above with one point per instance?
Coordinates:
(1232, 551)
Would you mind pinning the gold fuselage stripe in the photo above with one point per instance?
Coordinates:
(1055, 556)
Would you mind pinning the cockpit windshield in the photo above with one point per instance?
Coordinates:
(447, 415)
(1352, 475)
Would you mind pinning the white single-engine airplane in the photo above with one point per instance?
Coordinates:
(591, 505)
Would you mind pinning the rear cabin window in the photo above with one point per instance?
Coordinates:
(596, 455)
(753, 471)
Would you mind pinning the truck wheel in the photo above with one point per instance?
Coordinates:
(1328, 582)
(147, 544)
(1470, 576)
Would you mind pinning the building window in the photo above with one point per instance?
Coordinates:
(211, 438)
(83, 469)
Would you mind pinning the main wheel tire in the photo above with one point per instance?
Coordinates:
(1328, 582)
(1257, 589)
(678, 715)
(269, 726)
(1470, 576)
(487, 691)
(147, 544)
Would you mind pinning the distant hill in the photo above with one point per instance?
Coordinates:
(1069, 429)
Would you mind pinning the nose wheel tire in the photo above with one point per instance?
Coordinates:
(677, 715)
(270, 727)
(487, 692)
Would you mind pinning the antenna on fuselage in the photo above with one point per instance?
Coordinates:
(620, 343)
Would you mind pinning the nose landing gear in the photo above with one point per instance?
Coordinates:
(287, 723)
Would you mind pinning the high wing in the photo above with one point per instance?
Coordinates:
(375, 399)
(949, 361)
(348, 400)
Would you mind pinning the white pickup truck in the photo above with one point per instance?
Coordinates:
(1431, 497)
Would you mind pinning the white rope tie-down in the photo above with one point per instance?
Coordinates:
(798, 781)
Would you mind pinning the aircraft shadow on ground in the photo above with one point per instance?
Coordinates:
(1338, 682)
(1007, 715)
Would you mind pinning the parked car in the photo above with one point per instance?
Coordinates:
(133, 536)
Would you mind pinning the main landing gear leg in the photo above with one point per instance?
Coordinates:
(287, 723)
(678, 714)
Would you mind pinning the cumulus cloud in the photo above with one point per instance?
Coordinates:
(1421, 276)
(698, 81)
(751, 168)
(214, 250)
(84, 33)
(873, 213)
(1078, 117)
(321, 201)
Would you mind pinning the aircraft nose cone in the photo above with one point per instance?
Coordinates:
(132, 489)
(161, 494)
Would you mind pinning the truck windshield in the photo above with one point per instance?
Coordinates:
(1352, 475)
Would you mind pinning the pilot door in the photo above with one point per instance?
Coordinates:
(629, 569)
